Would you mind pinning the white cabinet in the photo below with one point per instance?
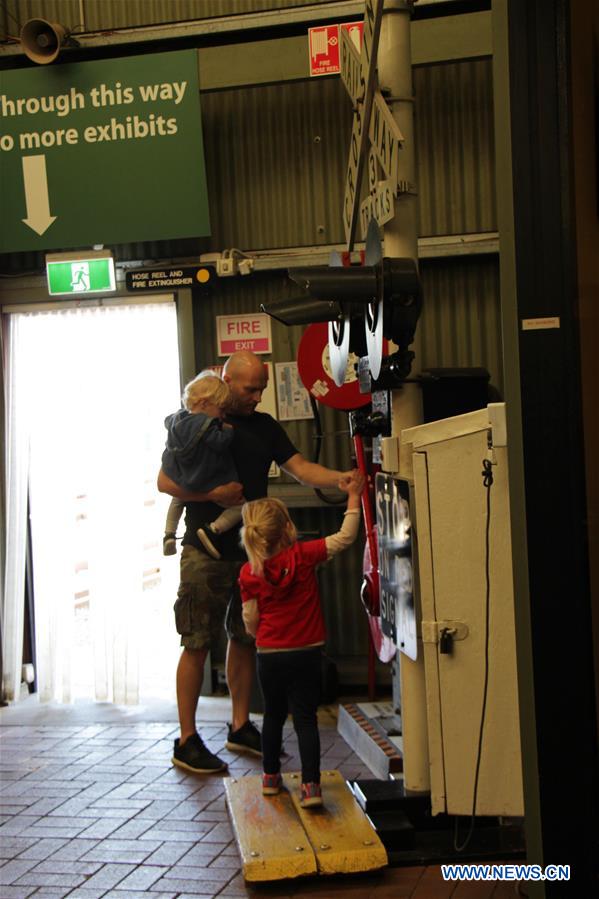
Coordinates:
(451, 522)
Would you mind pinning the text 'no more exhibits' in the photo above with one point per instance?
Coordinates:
(103, 96)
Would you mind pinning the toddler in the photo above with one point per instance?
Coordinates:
(198, 456)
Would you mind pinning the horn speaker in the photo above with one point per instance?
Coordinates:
(41, 41)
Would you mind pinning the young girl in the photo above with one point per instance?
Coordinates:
(198, 457)
(281, 608)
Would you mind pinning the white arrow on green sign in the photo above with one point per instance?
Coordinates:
(35, 182)
(106, 151)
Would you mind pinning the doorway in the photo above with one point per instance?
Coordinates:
(91, 386)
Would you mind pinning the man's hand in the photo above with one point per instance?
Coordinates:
(311, 473)
(230, 494)
(352, 483)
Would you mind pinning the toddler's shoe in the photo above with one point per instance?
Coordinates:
(271, 784)
(210, 540)
(311, 795)
(169, 545)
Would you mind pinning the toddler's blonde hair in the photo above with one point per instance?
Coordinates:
(206, 386)
(267, 529)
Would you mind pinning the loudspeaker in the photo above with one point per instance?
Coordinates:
(41, 41)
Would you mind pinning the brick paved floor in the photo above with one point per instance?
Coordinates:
(97, 810)
(90, 810)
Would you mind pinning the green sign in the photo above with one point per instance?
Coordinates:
(102, 152)
(80, 276)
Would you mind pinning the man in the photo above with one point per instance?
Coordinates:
(207, 584)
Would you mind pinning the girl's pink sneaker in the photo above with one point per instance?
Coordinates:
(311, 795)
(271, 784)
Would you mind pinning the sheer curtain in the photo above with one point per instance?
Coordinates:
(93, 387)
(16, 456)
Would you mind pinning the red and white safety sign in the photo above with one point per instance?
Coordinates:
(323, 46)
(243, 332)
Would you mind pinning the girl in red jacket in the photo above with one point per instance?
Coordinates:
(281, 609)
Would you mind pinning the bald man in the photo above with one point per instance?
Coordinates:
(208, 593)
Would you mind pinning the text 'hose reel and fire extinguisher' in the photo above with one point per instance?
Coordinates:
(353, 313)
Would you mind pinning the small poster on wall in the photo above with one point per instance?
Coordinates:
(293, 398)
(268, 403)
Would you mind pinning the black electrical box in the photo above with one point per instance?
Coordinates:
(452, 391)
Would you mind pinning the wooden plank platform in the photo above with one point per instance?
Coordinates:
(341, 835)
(277, 839)
(272, 843)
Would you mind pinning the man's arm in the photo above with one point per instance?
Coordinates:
(230, 494)
(311, 473)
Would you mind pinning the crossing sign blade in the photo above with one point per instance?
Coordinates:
(385, 137)
(351, 71)
(359, 139)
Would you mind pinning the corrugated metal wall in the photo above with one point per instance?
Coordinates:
(459, 326)
(455, 153)
(340, 581)
(282, 185)
(345, 620)
(100, 15)
(460, 323)
(281, 182)
(276, 159)
(234, 296)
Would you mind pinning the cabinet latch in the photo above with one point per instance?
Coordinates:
(444, 632)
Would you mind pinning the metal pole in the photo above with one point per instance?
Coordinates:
(395, 79)
(401, 239)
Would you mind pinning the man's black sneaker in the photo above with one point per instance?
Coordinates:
(194, 756)
(210, 540)
(246, 739)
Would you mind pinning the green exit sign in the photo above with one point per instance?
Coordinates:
(78, 275)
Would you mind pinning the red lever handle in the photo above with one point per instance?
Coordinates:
(372, 576)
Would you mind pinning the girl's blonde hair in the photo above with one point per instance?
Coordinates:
(267, 528)
(206, 386)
